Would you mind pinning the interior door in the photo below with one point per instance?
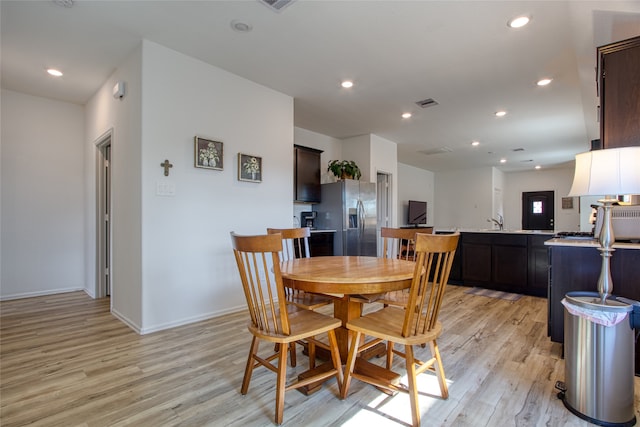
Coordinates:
(537, 210)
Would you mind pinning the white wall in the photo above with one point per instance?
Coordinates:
(415, 184)
(189, 271)
(384, 159)
(556, 180)
(42, 196)
(463, 198)
(123, 118)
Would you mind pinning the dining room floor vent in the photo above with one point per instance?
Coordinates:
(429, 102)
(276, 5)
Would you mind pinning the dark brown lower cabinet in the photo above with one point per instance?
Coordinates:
(577, 269)
(510, 262)
(321, 243)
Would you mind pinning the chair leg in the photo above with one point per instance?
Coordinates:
(439, 370)
(335, 357)
(311, 350)
(281, 383)
(413, 387)
(351, 362)
(248, 370)
(292, 354)
(389, 354)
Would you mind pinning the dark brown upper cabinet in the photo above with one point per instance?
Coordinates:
(619, 92)
(306, 178)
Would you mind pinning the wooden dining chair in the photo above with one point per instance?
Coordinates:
(295, 244)
(414, 325)
(396, 243)
(258, 263)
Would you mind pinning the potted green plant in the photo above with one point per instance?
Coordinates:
(344, 169)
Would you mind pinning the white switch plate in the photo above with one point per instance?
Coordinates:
(167, 189)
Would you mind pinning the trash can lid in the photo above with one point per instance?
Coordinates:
(592, 301)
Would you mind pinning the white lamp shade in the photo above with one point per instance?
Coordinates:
(607, 172)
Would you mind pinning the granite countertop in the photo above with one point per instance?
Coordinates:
(488, 230)
(588, 243)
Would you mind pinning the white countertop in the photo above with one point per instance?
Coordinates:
(313, 230)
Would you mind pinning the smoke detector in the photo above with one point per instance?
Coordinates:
(276, 5)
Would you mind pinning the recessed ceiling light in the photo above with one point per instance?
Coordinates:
(500, 113)
(538, 167)
(503, 160)
(54, 72)
(543, 82)
(240, 26)
(519, 22)
(406, 115)
(475, 143)
(347, 84)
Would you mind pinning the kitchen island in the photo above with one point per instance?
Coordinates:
(504, 260)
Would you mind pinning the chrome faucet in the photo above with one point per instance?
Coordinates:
(499, 222)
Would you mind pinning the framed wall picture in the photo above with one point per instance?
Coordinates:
(208, 154)
(249, 168)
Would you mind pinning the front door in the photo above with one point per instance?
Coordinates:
(537, 210)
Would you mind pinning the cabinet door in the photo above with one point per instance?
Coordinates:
(619, 79)
(307, 175)
(476, 259)
(538, 268)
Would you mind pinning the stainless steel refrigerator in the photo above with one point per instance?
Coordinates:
(349, 207)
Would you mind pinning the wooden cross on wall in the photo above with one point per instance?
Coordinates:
(166, 165)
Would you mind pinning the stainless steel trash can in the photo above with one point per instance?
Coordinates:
(599, 359)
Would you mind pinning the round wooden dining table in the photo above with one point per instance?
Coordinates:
(344, 276)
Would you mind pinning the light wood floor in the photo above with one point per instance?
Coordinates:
(65, 361)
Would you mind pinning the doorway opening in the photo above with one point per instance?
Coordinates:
(103, 216)
(538, 210)
(383, 204)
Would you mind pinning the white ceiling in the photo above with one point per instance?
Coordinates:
(460, 53)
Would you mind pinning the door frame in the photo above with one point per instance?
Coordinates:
(384, 198)
(103, 267)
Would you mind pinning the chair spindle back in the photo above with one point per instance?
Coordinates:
(295, 242)
(434, 257)
(259, 267)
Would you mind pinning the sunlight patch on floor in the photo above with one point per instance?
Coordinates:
(387, 410)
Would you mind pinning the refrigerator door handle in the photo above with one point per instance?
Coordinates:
(361, 217)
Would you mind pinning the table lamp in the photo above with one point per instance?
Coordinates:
(608, 173)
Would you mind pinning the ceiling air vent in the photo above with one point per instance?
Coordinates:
(438, 150)
(276, 5)
(429, 102)
(518, 149)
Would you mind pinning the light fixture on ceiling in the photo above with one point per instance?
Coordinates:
(475, 143)
(54, 72)
(608, 173)
(346, 84)
(538, 167)
(503, 160)
(406, 115)
(241, 26)
(500, 113)
(519, 21)
(543, 82)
